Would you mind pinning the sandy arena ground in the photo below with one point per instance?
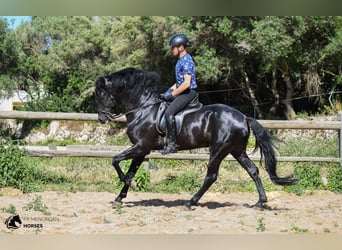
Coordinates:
(154, 213)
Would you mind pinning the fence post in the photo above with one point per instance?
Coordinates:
(340, 137)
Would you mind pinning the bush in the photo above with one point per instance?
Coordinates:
(188, 182)
(309, 178)
(13, 170)
(5, 130)
(142, 177)
(335, 178)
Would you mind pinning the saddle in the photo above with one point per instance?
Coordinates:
(192, 107)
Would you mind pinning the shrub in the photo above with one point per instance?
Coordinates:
(13, 169)
(188, 181)
(335, 178)
(142, 177)
(309, 178)
(5, 130)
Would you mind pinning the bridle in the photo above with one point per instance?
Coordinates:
(111, 117)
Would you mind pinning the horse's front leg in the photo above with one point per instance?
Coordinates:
(128, 181)
(137, 155)
(125, 155)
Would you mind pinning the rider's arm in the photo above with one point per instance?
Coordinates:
(184, 86)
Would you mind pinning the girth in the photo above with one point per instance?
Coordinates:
(192, 107)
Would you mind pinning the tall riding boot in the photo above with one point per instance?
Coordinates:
(171, 136)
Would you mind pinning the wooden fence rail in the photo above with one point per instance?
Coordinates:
(29, 115)
(77, 152)
(276, 124)
(109, 152)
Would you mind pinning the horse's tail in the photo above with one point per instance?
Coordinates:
(264, 142)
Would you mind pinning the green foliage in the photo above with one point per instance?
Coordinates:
(13, 170)
(172, 176)
(335, 178)
(5, 130)
(118, 209)
(63, 55)
(11, 209)
(261, 224)
(7, 85)
(298, 230)
(37, 205)
(142, 178)
(51, 103)
(22, 172)
(207, 64)
(188, 182)
(272, 38)
(309, 176)
(313, 147)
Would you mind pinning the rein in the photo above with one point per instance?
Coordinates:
(110, 116)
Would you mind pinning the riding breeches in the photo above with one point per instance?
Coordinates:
(179, 103)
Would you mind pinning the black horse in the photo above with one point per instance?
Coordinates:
(221, 128)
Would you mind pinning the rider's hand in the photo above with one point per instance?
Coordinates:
(167, 96)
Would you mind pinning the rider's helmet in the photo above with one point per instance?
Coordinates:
(179, 39)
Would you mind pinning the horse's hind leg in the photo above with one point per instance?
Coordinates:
(211, 176)
(253, 171)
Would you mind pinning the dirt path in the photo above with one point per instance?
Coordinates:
(90, 213)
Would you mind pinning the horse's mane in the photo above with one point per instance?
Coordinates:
(151, 80)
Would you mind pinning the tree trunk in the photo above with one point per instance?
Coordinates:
(275, 93)
(289, 112)
(252, 95)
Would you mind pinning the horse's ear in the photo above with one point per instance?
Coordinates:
(107, 82)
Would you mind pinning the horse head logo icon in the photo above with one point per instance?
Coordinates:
(13, 222)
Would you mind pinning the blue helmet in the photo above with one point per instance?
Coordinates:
(179, 39)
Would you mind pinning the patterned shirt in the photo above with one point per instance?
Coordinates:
(185, 65)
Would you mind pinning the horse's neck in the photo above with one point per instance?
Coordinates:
(138, 107)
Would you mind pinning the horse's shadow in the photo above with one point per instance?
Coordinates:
(175, 203)
(181, 202)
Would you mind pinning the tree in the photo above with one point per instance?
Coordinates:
(256, 64)
(70, 53)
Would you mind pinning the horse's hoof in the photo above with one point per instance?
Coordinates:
(116, 204)
(258, 205)
(188, 206)
(261, 204)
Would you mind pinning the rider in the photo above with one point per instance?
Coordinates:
(182, 92)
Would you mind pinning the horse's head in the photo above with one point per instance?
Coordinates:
(106, 102)
(130, 87)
